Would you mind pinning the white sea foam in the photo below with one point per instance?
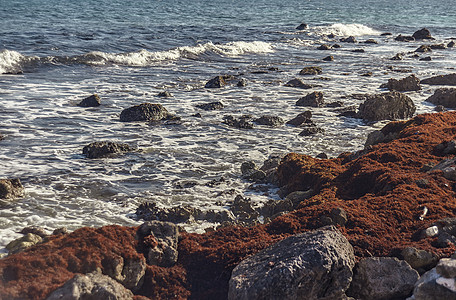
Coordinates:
(12, 61)
(345, 30)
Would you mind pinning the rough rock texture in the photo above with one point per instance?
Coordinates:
(298, 83)
(273, 121)
(431, 286)
(419, 259)
(444, 96)
(11, 188)
(447, 267)
(350, 39)
(161, 241)
(91, 101)
(242, 122)
(23, 243)
(314, 99)
(386, 106)
(422, 34)
(311, 130)
(211, 106)
(311, 265)
(91, 286)
(310, 71)
(218, 81)
(302, 118)
(410, 83)
(404, 38)
(449, 79)
(105, 149)
(382, 278)
(145, 112)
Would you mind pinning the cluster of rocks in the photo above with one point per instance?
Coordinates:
(31, 236)
(11, 189)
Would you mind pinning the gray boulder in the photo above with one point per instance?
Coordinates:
(419, 259)
(23, 243)
(91, 101)
(433, 286)
(160, 239)
(11, 188)
(145, 112)
(314, 99)
(311, 265)
(91, 286)
(422, 34)
(382, 278)
(410, 83)
(129, 272)
(444, 96)
(105, 149)
(447, 267)
(386, 106)
(449, 79)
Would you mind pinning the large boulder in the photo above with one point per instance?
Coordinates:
(434, 285)
(386, 106)
(91, 101)
(145, 112)
(11, 188)
(449, 79)
(311, 265)
(422, 34)
(314, 99)
(105, 149)
(444, 96)
(160, 240)
(91, 286)
(410, 83)
(382, 278)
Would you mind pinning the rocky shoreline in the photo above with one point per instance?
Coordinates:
(390, 206)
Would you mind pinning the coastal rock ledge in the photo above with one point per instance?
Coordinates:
(393, 194)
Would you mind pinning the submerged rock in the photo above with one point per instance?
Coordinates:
(410, 83)
(386, 106)
(105, 149)
(444, 96)
(404, 38)
(302, 26)
(449, 79)
(11, 188)
(218, 81)
(329, 58)
(298, 83)
(423, 49)
(311, 265)
(272, 121)
(301, 119)
(145, 112)
(314, 99)
(324, 47)
(165, 94)
(211, 106)
(310, 71)
(242, 122)
(91, 101)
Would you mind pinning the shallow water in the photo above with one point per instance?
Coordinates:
(128, 54)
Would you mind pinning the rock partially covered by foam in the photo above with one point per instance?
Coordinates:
(11, 188)
(105, 149)
(91, 101)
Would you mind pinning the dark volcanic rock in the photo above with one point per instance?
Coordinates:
(419, 259)
(314, 99)
(324, 47)
(438, 46)
(211, 106)
(329, 58)
(382, 278)
(386, 106)
(145, 112)
(272, 121)
(105, 149)
(298, 83)
(242, 82)
(451, 44)
(431, 285)
(243, 122)
(398, 56)
(311, 130)
(91, 286)
(371, 41)
(410, 83)
(218, 81)
(350, 39)
(302, 26)
(403, 38)
(444, 96)
(424, 49)
(449, 79)
(11, 188)
(302, 118)
(422, 34)
(427, 58)
(165, 94)
(91, 101)
(310, 71)
(311, 265)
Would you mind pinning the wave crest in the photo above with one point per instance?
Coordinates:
(339, 29)
(12, 62)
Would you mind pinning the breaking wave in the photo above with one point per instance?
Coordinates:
(12, 62)
(339, 29)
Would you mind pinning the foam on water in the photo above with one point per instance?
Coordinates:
(13, 61)
(340, 29)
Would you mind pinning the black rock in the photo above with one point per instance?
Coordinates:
(311, 130)
(423, 49)
(145, 112)
(336, 46)
(422, 34)
(310, 71)
(91, 101)
(314, 99)
(329, 58)
(243, 122)
(302, 26)
(371, 41)
(298, 83)
(322, 155)
(272, 121)
(350, 39)
(324, 47)
(404, 38)
(218, 81)
(445, 97)
(438, 46)
(165, 94)
(211, 106)
(105, 149)
(451, 44)
(302, 118)
(349, 111)
(387, 106)
(427, 58)
(242, 83)
(386, 34)
(358, 51)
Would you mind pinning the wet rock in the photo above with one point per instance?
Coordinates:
(91, 101)
(386, 34)
(329, 58)
(311, 71)
(217, 216)
(386, 106)
(271, 163)
(444, 96)
(299, 196)
(211, 106)
(165, 94)
(440, 108)
(349, 111)
(451, 44)
(248, 167)
(243, 122)
(350, 39)
(242, 83)
(324, 47)
(336, 46)
(423, 49)
(160, 239)
(105, 149)
(311, 130)
(438, 46)
(382, 278)
(40, 231)
(272, 121)
(311, 265)
(243, 209)
(404, 38)
(218, 81)
(23, 243)
(398, 56)
(422, 34)
(274, 207)
(371, 41)
(145, 112)
(427, 58)
(91, 286)
(314, 99)
(358, 51)
(302, 26)
(419, 259)
(410, 83)
(60, 231)
(298, 83)
(433, 286)
(335, 104)
(302, 118)
(11, 189)
(449, 79)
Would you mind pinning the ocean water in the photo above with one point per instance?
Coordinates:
(54, 54)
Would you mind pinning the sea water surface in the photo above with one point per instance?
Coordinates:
(55, 53)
